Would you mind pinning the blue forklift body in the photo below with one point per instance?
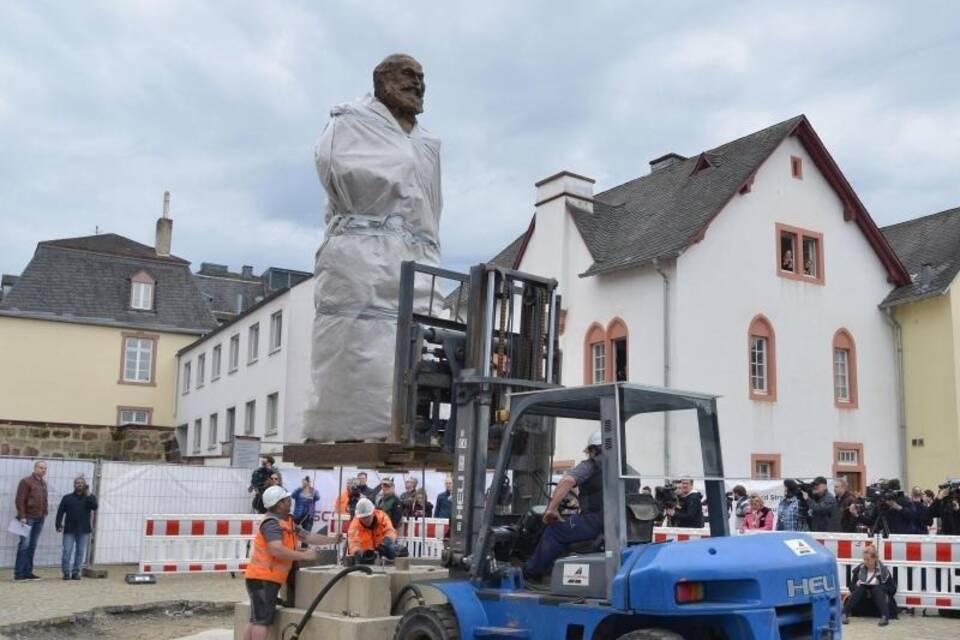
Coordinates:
(768, 586)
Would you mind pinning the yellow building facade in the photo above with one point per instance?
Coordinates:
(928, 313)
(74, 373)
(931, 360)
(89, 332)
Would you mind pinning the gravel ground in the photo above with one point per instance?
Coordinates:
(155, 623)
(54, 598)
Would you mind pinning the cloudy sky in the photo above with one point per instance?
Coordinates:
(103, 106)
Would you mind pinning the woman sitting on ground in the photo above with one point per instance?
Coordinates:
(758, 516)
(872, 590)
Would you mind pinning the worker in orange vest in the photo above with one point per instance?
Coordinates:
(370, 533)
(275, 549)
(347, 502)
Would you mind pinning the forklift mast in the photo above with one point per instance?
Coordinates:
(454, 370)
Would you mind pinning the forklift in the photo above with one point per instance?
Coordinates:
(477, 384)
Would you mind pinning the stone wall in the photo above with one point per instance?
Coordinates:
(59, 440)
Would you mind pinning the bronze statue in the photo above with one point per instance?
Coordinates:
(381, 172)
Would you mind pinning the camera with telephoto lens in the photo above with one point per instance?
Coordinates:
(801, 486)
(953, 486)
(880, 494)
(666, 496)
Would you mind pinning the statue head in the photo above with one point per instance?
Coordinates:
(398, 84)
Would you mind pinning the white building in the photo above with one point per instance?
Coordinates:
(682, 278)
(251, 376)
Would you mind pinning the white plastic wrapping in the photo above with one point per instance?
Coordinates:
(383, 207)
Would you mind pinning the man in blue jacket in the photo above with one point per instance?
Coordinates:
(443, 501)
(73, 521)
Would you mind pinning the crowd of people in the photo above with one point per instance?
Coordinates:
(411, 503)
(885, 508)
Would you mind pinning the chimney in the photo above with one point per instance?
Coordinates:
(164, 228)
(664, 161)
(565, 186)
(247, 272)
(556, 197)
(926, 274)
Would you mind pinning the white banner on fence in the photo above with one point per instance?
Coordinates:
(129, 492)
(60, 475)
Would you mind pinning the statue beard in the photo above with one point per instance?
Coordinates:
(406, 102)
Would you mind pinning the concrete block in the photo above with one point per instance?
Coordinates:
(368, 596)
(327, 626)
(416, 573)
(309, 582)
(241, 618)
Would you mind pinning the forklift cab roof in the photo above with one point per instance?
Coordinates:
(584, 403)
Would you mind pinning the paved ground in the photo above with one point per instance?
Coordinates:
(906, 628)
(54, 598)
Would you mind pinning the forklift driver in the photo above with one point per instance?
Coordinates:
(583, 527)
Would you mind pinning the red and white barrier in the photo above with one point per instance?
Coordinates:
(927, 569)
(197, 543)
(679, 534)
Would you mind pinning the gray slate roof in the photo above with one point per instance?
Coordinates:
(660, 214)
(87, 280)
(221, 294)
(933, 240)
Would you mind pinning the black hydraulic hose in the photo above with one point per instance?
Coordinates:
(316, 601)
(407, 587)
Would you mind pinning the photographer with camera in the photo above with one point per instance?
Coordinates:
(848, 505)
(921, 511)
(792, 510)
(688, 512)
(946, 506)
(824, 513)
(888, 509)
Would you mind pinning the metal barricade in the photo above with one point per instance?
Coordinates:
(926, 568)
(679, 534)
(179, 543)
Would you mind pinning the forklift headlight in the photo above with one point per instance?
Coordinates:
(689, 592)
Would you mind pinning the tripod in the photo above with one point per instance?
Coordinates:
(880, 526)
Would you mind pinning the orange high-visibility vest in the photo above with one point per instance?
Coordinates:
(263, 564)
(363, 538)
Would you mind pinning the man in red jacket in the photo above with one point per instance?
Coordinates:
(31, 503)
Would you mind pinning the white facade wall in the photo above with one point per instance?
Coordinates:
(273, 371)
(730, 277)
(716, 288)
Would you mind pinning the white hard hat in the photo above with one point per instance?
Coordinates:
(364, 508)
(273, 495)
(595, 440)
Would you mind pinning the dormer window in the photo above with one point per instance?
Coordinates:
(142, 286)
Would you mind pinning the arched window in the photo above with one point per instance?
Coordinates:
(844, 370)
(762, 360)
(142, 286)
(595, 355)
(617, 339)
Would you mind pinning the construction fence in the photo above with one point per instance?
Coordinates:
(129, 492)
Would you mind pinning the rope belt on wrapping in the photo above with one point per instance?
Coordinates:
(392, 224)
(356, 313)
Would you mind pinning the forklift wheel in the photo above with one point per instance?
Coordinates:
(651, 634)
(437, 622)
